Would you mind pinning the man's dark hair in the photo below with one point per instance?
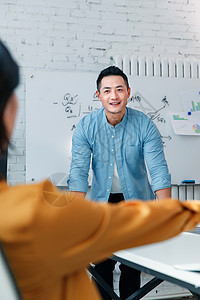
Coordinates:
(9, 79)
(111, 71)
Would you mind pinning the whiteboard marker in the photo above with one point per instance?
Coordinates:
(188, 181)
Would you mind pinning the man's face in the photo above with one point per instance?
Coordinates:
(113, 95)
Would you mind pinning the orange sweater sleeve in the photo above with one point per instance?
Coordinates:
(50, 236)
(75, 232)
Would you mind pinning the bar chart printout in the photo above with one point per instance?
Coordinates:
(195, 107)
(186, 124)
(191, 100)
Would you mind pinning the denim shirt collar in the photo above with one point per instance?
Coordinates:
(118, 126)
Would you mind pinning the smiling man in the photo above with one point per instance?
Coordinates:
(113, 92)
(122, 142)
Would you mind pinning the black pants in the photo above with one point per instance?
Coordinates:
(129, 279)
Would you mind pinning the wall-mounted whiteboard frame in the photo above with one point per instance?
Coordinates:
(56, 101)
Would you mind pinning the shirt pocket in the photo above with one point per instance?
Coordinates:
(133, 155)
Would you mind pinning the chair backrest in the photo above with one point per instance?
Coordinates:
(8, 287)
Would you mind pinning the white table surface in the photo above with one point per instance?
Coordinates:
(7, 287)
(162, 258)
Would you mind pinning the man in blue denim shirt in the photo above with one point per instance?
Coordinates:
(121, 142)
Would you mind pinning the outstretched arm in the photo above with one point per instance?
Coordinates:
(83, 231)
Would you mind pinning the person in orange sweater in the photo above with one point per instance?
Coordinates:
(50, 237)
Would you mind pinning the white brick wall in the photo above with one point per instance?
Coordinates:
(84, 35)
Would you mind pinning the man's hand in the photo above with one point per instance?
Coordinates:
(163, 194)
(79, 194)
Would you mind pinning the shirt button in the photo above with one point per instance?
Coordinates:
(107, 190)
(112, 150)
(113, 136)
(111, 164)
(109, 177)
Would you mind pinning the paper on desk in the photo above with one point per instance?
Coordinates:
(188, 267)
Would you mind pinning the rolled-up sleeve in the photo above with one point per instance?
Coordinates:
(155, 158)
(81, 156)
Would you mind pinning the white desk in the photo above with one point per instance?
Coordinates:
(8, 287)
(160, 259)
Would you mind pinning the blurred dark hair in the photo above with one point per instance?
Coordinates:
(111, 71)
(9, 79)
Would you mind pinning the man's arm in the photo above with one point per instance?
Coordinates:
(83, 231)
(80, 164)
(156, 162)
(163, 194)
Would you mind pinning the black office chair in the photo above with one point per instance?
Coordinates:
(8, 286)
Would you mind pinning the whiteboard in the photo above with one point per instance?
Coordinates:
(56, 101)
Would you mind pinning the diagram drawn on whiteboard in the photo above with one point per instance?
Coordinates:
(139, 102)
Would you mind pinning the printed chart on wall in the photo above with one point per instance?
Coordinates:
(56, 101)
(187, 122)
